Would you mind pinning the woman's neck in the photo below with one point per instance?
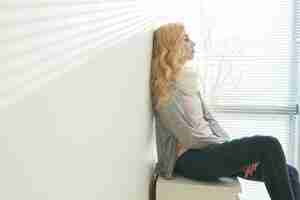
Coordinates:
(188, 81)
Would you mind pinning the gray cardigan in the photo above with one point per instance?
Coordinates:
(173, 123)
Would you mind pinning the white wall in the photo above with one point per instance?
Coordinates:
(75, 115)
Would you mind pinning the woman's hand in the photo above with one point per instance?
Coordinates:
(249, 169)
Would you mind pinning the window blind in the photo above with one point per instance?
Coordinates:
(247, 67)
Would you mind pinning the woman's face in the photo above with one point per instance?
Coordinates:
(188, 46)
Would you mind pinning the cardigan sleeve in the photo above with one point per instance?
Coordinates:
(172, 119)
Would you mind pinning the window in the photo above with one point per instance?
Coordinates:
(296, 24)
(249, 70)
(249, 67)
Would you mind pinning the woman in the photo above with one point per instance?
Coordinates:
(190, 141)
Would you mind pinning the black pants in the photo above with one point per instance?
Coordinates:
(226, 159)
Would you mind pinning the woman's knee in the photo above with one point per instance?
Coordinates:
(268, 140)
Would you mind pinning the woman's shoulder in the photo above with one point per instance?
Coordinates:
(187, 84)
(179, 100)
(178, 97)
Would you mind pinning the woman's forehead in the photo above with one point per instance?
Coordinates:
(185, 32)
(185, 35)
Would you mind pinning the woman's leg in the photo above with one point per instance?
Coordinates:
(258, 175)
(294, 177)
(226, 159)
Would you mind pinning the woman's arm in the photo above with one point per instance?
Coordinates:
(209, 117)
(172, 117)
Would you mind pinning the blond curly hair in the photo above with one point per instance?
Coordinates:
(168, 58)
